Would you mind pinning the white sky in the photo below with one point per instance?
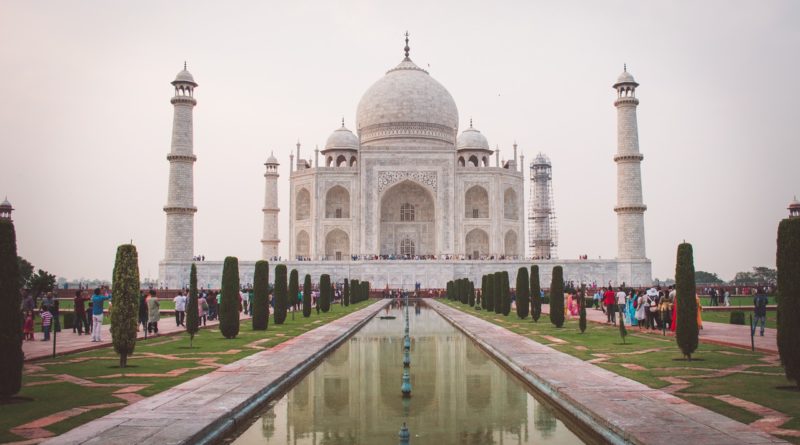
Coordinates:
(85, 118)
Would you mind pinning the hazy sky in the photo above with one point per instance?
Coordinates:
(85, 118)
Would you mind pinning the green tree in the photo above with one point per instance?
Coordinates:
(557, 297)
(294, 288)
(505, 292)
(686, 331)
(355, 291)
(280, 294)
(192, 317)
(523, 293)
(229, 303)
(25, 271)
(703, 277)
(536, 294)
(307, 296)
(346, 293)
(765, 275)
(582, 313)
(471, 295)
(743, 278)
(125, 302)
(788, 262)
(488, 294)
(41, 282)
(484, 287)
(325, 292)
(10, 315)
(497, 293)
(261, 296)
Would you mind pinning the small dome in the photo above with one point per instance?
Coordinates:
(5, 204)
(272, 160)
(184, 77)
(541, 159)
(795, 204)
(625, 78)
(342, 139)
(472, 139)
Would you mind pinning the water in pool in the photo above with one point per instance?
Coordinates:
(459, 394)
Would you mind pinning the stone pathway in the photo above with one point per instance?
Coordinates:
(610, 404)
(717, 333)
(214, 402)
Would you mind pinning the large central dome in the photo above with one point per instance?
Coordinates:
(407, 103)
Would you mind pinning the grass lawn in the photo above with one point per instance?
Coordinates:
(159, 363)
(162, 304)
(646, 358)
(740, 300)
(725, 317)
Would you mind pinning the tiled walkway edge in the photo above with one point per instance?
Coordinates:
(616, 408)
(205, 409)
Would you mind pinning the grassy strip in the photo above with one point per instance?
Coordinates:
(725, 317)
(169, 356)
(653, 356)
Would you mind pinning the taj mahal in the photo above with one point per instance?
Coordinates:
(404, 199)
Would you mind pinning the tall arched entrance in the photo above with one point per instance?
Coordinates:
(408, 221)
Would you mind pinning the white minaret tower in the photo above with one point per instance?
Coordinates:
(543, 238)
(180, 207)
(270, 241)
(630, 208)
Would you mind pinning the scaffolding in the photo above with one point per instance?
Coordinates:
(541, 211)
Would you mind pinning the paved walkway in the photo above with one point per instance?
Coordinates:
(718, 333)
(619, 409)
(68, 343)
(204, 409)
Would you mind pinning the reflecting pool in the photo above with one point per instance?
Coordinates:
(459, 394)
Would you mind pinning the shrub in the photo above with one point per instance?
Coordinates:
(523, 293)
(355, 291)
(229, 303)
(505, 293)
(788, 262)
(737, 317)
(471, 294)
(489, 293)
(686, 329)
(582, 309)
(69, 319)
(497, 294)
(623, 332)
(10, 315)
(346, 293)
(307, 296)
(536, 294)
(557, 297)
(325, 292)
(125, 301)
(280, 294)
(294, 289)
(261, 296)
(192, 317)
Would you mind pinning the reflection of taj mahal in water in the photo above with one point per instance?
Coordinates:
(458, 392)
(405, 199)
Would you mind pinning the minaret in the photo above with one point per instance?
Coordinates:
(270, 241)
(180, 207)
(6, 209)
(630, 208)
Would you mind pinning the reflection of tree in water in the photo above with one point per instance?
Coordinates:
(268, 423)
(544, 420)
(337, 438)
(481, 436)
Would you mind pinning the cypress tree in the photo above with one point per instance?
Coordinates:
(125, 301)
(557, 297)
(279, 294)
(686, 330)
(260, 296)
(325, 292)
(355, 289)
(192, 317)
(523, 300)
(346, 293)
(294, 289)
(623, 332)
(497, 293)
(471, 295)
(536, 294)
(489, 294)
(464, 289)
(582, 303)
(788, 262)
(506, 291)
(366, 286)
(10, 316)
(229, 303)
(307, 296)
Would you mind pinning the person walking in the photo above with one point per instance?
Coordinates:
(620, 300)
(99, 297)
(760, 302)
(143, 312)
(608, 302)
(153, 312)
(202, 310)
(180, 309)
(47, 321)
(79, 309)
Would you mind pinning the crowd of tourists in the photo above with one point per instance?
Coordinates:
(401, 257)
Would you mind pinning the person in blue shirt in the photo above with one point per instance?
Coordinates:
(98, 298)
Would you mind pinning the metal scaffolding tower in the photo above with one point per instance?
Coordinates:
(541, 211)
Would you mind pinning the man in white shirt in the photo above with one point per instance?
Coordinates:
(621, 304)
(180, 309)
